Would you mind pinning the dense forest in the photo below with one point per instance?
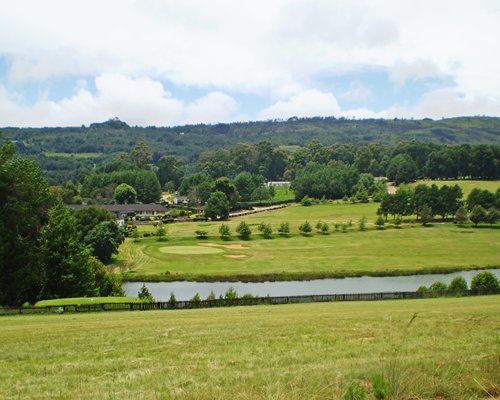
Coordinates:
(71, 153)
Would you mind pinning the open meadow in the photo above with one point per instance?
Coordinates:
(424, 349)
(392, 251)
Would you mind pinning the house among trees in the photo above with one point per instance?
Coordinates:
(278, 183)
(124, 210)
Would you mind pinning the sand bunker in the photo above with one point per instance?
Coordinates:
(189, 250)
(234, 255)
(226, 246)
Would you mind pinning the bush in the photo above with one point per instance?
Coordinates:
(438, 286)
(211, 296)
(354, 391)
(362, 223)
(145, 294)
(380, 387)
(305, 228)
(284, 229)
(231, 294)
(422, 289)
(201, 234)
(484, 280)
(196, 298)
(244, 230)
(380, 222)
(172, 300)
(224, 232)
(458, 283)
(307, 201)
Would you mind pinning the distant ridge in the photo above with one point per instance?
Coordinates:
(189, 141)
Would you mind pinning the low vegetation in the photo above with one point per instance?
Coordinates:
(406, 349)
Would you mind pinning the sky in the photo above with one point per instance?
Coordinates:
(168, 63)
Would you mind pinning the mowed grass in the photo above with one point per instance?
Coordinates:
(466, 185)
(86, 300)
(410, 249)
(426, 349)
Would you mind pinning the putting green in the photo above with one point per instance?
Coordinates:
(190, 250)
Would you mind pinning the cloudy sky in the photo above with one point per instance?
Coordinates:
(160, 62)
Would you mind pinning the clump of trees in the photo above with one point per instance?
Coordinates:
(44, 251)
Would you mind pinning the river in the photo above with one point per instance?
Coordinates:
(185, 290)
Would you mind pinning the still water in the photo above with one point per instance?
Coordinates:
(184, 290)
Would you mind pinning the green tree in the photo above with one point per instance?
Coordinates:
(284, 229)
(437, 286)
(244, 230)
(380, 222)
(425, 214)
(24, 201)
(492, 216)
(461, 216)
(362, 223)
(260, 193)
(224, 232)
(141, 155)
(160, 231)
(135, 234)
(69, 270)
(231, 293)
(458, 283)
(217, 206)
(170, 171)
(305, 228)
(478, 215)
(125, 194)
(200, 234)
(145, 294)
(87, 218)
(246, 183)
(402, 169)
(265, 230)
(480, 197)
(172, 300)
(484, 280)
(104, 240)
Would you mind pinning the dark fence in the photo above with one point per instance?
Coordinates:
(166, 305)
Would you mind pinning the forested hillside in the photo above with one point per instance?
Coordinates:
(70, 153)
(189, 141)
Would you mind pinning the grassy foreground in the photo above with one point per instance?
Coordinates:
(434, 348)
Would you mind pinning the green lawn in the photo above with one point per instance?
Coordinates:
(466, 185)
(86, 300)
(411, 249)
(445, 348)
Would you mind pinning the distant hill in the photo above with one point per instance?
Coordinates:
(189, 141)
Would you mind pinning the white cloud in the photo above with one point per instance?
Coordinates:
(140, 101)
(214, 107)
(435, 104)
(357, 91)
(310, 103)
(274, 49)
(447, 103)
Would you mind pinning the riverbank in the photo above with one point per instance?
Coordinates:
(306, 276)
